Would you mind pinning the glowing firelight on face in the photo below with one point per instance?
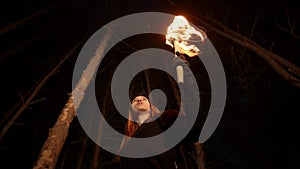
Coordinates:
(179, 33)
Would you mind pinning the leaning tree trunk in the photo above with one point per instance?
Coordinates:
(57, 136)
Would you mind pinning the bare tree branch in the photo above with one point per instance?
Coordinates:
(22, 45)
(291, 26)
(37, 89)
(81, 156)
(26, 19)
(282, 66)
(171, 2)
(253, 26)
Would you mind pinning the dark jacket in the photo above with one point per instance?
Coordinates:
(175, 158)
(166, 160)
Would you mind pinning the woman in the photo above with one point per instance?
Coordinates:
(145, 120)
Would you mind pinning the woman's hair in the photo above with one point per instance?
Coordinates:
(131, 125)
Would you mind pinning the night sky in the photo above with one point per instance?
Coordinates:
(259, 128)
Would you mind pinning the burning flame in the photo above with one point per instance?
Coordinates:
(178, 34)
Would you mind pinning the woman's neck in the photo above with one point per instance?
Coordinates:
(142, 117)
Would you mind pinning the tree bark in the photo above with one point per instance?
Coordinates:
(57, 136)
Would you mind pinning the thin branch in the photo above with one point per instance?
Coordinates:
(82, 152)
(291, 26)
(16, 48)
(26, 19)
(253, 26)
(278, 63)
(22, 99)
(172, 3)
(39, 100)
(290, 30)
(16, 106)
(37, 89)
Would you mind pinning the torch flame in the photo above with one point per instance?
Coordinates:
(178, 34)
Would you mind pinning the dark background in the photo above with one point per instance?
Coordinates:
(259, 127)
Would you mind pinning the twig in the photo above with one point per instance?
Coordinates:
(41, 99)
(22, 99)
(291, 27)
(20, 46)
(22, 21)
(82, 152)
(26, 19)
(172, 3)
(37, 89)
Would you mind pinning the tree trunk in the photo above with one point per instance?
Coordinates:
(199, 155)
(58, 134)
(56, 138)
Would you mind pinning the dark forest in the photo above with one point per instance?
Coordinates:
(258, 43)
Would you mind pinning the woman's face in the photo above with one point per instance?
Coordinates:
(141, 104)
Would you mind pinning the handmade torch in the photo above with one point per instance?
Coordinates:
(178, 35)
